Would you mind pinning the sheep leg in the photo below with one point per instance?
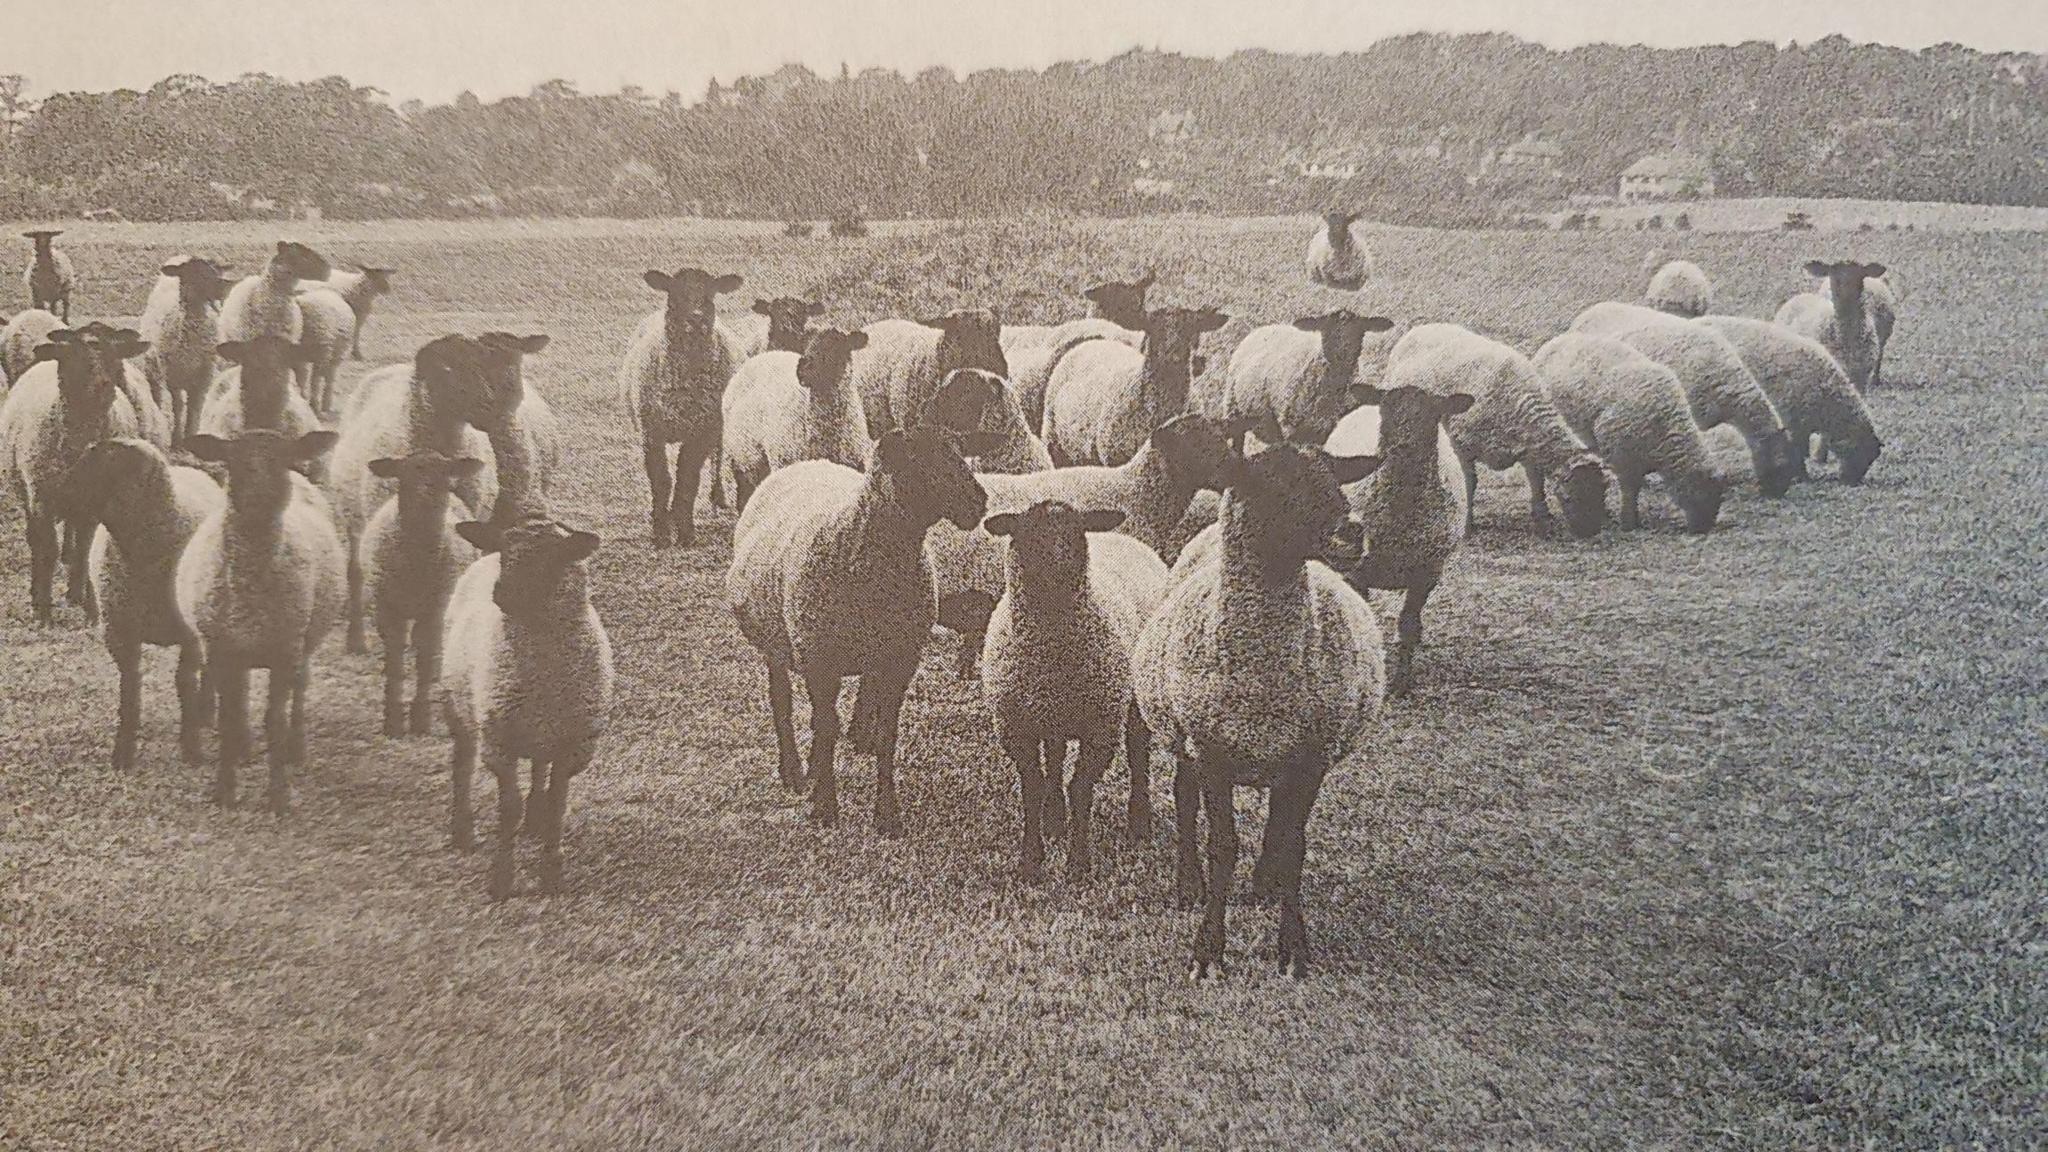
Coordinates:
(557, 811)
(537, 799)
(1209, 938)
(1056, 788)
(277, 737)
(504, 766)
(1293, 938)
(1631, 485)
(682, 505)
(461, 767)
(127, 653)
(714, 465)
(232, 678)
(295, 735)
(1471, 471)
(1539, 504)
(1089, 765)
(354, 607)
(1409, 638)
(191, 703)
(426, 639)
(1030, 783)
(195, 404)
(1138, 756)
(1269, 873)
(742, 489)
(392, 634)
(824, 693)
(654, 457)
(77, 590)
(889, 687)
(781, 710)
(1189, 885)
(179, 428)
(42, 565)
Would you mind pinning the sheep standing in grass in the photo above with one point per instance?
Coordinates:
(260, 584)
(361, 289)
(328, 330)
(1105, 398)
(905, 362)
(147, 509)
(72, 398)
(526, 445)
(1633, 412)
(181, 321)
(1295, 381)
(1808, 388)
(527, 675)
(783, 325)
(829, 579)
(410, 557)
(1511, 421)
(1262, 668)
(19, 340)
(1337, 255)
(1057, 666)
(1119, 303)
(1681, 288)
(48, 277)
(256, 392)
(1719, 387)
(782, 407)
(1032, 366)
(1837, 317)
(268, 304)
(971, 400)
(672, 381)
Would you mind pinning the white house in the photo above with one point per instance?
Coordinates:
(1667, 176)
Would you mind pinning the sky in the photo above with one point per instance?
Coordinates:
(433, 49)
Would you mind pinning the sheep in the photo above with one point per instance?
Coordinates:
(19, 339)
(784, 324)
(1265, 668)
(782, 407)
(48, 277)
(971, 400)
(1717, 385)
(1634, 413)
(671, 382)
(147, 509)
(1057, 665)
(260, 584)
(1808, 387)
(905, 361)
(1105, 399)
(256, 392)
(410, 557)
(1032, 366)
(1511, 421)
(440, 402)
(526, 447)
(1838, 318)
(1120, 302)
(1337, 255)
(1681, 288)
(328, 329)
(1295, 381)
(361, 289)
(72, 397)
(181, 321)
(526, 674)
(829, 579)
(267, 304)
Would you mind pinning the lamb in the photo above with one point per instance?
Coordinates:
(1295, 381)
(1681, 288)
(1838, 318)
(1717, 385)
(1120, 302)
(260, 584)
(829, 579)
(73, 397)
(527, 675)
(181, 321)
(971, 400)
(782, 407)
(673, 377)
(48, 277)
(1511, 421)
(1262, 667)
(1808, 387)
(19, 340)
(361, 289)
(526, 446)
(1337, 255)
(1057, 666)
(1634, 413)
(1105, 399)
(440, 402)
(327, 332)
(148, 509)
(410, 557)
(906, 361)
(785, 322)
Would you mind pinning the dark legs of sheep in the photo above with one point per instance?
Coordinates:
(824, 692)
(1056, 787)
(354, 607)
(1089, 765)
(654, 458)
(295, 738)
(392, 633)
(888, 686)
(714, 468)
(1539, 503)
(461, 769)
(1210, 936)
(1030, 784)
(127, 654)
(426, 639)
(277, 724)
(42, 566)
(1299, 798)
(682, 505)
(1409, 639)
(553, 812)
(504, 767)
(1138, 756)
(192, 703)
(77, 588)
(1189, 884)
(1471, 471)
(781, 709)
(1631, 485)
(232, 679)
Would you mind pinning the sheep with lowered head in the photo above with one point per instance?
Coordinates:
(1295, 381)
(1119, 303)
(361, 289)
(782, 407)
(329, 329)
(1809, 389)
(267, 304)
(1337, 253)
(181, 321)
(1681, 288)
(783, 325)
(49, 277)
(525, 436)
(1105, 398)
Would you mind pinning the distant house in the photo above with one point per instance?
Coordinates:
(1530, 154)
(1667, 176)
(1343, 162)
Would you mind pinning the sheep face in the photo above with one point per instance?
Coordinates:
(454, 374)
(825, 357)
(1782, 464)
(89, 368)
(1857, 456)
(1196, 448)
(199, 281)
(108, 471)
(924, 466)
(969, 401)
(1172, 334)
(377, 281)
(502, 356)
(1294, 508)
(692, 299)
(1337, 222)
(1121, 302)
(969, 338)
(1583, 496)
(1699, 499)
(541, 562)
(42, 238)
(1049, 545)
(259, 464)
(1410, 418)
(1845, 277)
(424, 479)
(1342, 333)
(788, 316)
(294, 261)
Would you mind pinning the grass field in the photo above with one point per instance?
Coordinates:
(1725, 841)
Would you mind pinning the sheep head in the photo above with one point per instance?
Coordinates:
(971, 400)
(377, 280)
(1858, 454)
(502, 356)
(1289, 504)
(788, 316)
(826, 354)
(1780, 462)
(540, 561)
(969, 338)
(42, 237)
(259, 464)
(1049, 545)
(266, 363)
(89, 366)
(1196, 449)
(294, 261)
(108, 472)
(200, 281)
(1171, 337)
(1845, 277)
(1121, 302)
(424, 481)
(692, 294)
(925, 470)
(1582, 493)
(1410, 417)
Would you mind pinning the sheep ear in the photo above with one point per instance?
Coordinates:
(1144, 282)
(480, 534)
(1818, 268)
(211, 449)
(534, 343)
(464, 467)
(1198, 365)
(127, 349)
(386, 467)
(1000, 524)
(855, 341)
(726, 283)
(892, 451)
(577, 546)
(231, 351)
(1312, 323)
(1094, 292)
(659, 281)
(762, 307)
(939, 322)
(1379, 324)
(175, 267)
(49, 350)
(1455, 403)
(1352, 469)
(814, 308)
(314, 445)
(1872, 271)
(1210, 320)
(1103, 520)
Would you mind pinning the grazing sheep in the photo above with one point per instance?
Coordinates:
(829, 579)
(1809, 389)
(1838, 318)
(181, 321)
(1261, 668)
(905, 362)
(1511, 421)
(527, 675)
(1717, 385)
(972, 400)
(1121, 302)
(73, 397)
(1681, 288)
(785, 322)
(260, 584)
(361, 289)
(1633, 412)
(527, 445)
(1105, 398)
(1295, 381)
(782, 407)
(1337, 255)
(673, 377)
(49, 277)
(1057, 666)
(256, 392)
(329, 329)
(19, 340)
(439, 403)
(410, 557)
(147, 509)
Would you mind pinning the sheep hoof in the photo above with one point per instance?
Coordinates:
(791, 772)
(551, 872)
(278, 800)
(501, 879)
(888, 824)
(357, 646)
(422, 723)
(124, 754)
(462, 838)
(1140, 820)
(1188, 894)
(394, 725)
(45, 615)
(222, 797)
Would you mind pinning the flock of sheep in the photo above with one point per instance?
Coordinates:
(1131, 550)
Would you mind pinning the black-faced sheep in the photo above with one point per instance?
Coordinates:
(1808, 388)
(1295, 381)
(48, 277)
(1838, 318)
(905, 362)
(782, 407)
(1337, 254)
(671, 382)
(410, 557)
(1105, 398)
(181, 321)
